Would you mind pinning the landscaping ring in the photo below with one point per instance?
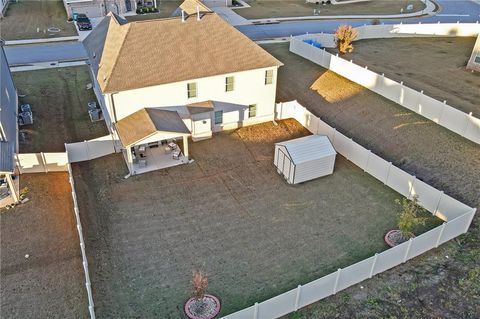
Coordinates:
(394, 237)
(206, 308)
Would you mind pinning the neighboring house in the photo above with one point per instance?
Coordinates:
(211, 75)
(99, 8)
(3, 7)
(474, 61)
(9, 181)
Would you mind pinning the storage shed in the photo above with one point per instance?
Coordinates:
(304, 158)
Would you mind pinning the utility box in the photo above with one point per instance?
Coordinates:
(304, 158)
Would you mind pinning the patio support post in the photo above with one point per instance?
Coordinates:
(13, 191)
(185, 146)
(129, 159)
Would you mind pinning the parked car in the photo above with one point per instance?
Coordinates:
(83, 22)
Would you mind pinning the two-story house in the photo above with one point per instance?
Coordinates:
(210, 75)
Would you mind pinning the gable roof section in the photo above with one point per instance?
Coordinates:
(200, 107)
(190, 7)
(153, 52)
(146, 122)
(308, 148)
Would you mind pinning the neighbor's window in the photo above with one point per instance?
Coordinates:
(252, 110)
(218, 117)
(229, 83)
(268, 77)
(192, 89)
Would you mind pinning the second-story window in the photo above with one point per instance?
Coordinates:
(268, 77)
(229, 83)
(192, 90)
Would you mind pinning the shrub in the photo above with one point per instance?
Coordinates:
(199, 283)
(344, 37)
(408, 217)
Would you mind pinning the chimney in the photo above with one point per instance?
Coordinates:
(198, 13)
(183, 16)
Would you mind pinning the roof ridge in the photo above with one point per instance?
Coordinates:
(107, 82)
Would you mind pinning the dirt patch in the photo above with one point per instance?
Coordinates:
(24, 17)
(50, 282)
(438, 67)
(228, 213)
(298, 8)
(59, 104)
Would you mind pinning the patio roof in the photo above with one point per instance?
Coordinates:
(200, 107)
(147, 122)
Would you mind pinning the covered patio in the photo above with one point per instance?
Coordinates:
(153, 139)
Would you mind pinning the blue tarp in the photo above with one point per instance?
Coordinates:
(313, 43)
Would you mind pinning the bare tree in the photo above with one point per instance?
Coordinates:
(344, 36)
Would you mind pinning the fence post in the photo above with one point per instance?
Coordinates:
(373, 265)
(440, 235)
(297, 297)
(467, 123)
(255, 311)
(388, 173)
(368, 160)
(410, 241)
(438, 203)
(336, 281)
(44, 162)
(411, 187)
(86, 149)
(470, 221)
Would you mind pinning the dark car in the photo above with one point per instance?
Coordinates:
(83, 22)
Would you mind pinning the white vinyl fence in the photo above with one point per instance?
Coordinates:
(91, 149)
(441, 113)
(457, 217)
(41, 162)
(88, 285)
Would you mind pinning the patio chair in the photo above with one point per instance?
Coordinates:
(176, 154)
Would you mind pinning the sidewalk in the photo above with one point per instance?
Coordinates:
(235, 19)
(36, 41)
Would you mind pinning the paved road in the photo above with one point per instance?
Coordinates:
(452, 11)
(46, 52)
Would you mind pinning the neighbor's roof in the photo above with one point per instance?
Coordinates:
(8, 116)
(190, 7)
(146, 122)
(308, 148)
(153, 52)
(200, 107)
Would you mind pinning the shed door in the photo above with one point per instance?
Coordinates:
(284, 165)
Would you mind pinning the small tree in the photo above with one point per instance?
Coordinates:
(408, 217)
(344, 37)
(199, 283)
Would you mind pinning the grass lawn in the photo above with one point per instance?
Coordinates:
(50, 283)
(59, 103)
(228, 213)
(443, 283)
(24, 17)
(166, 8)
(298, 8)
(438, 67)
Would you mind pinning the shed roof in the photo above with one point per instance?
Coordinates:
(148, 121)
(308, 148)
(121, 53)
